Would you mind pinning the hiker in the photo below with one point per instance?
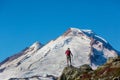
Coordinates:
(68, 55)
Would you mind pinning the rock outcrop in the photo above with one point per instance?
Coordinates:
(108, 71)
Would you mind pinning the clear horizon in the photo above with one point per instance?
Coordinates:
(23, 22)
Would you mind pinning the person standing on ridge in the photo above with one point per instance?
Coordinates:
(68, 55)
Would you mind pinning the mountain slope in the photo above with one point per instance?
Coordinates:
(86, 46)
(30, 49)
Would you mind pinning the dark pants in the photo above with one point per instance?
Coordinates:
(69, 60)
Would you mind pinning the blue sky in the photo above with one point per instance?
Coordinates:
(22, 22)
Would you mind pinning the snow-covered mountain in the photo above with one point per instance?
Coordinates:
(38, 60)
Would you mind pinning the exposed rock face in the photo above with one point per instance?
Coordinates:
(72, 73)
(109, 71)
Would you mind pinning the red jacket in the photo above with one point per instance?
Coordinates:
(68, 52)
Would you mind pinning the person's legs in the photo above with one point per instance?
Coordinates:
(67, 61)
(70, 60)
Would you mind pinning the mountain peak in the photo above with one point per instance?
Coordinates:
(78, 32)
(72, 32)
(37, 45)
(81, 30)
(75, 29)
(86, 47)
